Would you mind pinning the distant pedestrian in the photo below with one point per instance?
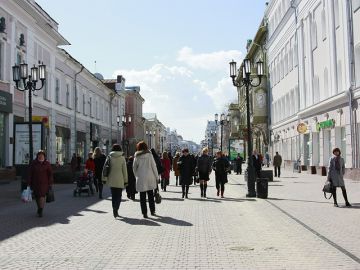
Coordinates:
(131, 188)
(186, 172)
(176, 167)
(194, 173)
(257, 163)
(267, 159)
(203, 167)
(336, 175)
(277, 164)
(99, 160)
(117, 179)
(220, 166)
(146, 175)
(165, 176)
(40, 179)
(238, 162)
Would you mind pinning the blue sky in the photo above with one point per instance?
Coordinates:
(177, 51)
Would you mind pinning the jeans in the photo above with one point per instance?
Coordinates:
(116, 197)
(277, 171)
(150, 194)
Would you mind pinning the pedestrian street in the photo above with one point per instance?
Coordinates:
(295, 228)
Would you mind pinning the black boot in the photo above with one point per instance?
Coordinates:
(183, 191)
(40, 212)
(187, 191)
(343, 189)
(202, 189)
(205, 187)
(334, 197)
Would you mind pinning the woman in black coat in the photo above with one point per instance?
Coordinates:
(131, 188)
(99, 160)
(186, 166)
(220, 166)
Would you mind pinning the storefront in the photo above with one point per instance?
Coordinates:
(81, 144)
(5, 109)
(62, 145)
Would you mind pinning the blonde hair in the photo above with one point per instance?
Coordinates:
(97, 152)
(205, 150)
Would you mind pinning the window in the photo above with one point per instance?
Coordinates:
(46, 86)
(84, 104)
(67, 95)
(57, 91)
(96, 110)
(90, 106)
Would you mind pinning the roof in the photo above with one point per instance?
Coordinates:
(149, 116)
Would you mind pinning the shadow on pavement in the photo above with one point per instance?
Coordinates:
(276, 185)
(135, 221)
(172, 221)
(294, 200)
(19, 217)
(173, 199)
(205, 200)
(237, 184)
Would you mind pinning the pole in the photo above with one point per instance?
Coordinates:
(31, 150)
(250, 168)
(221, 135)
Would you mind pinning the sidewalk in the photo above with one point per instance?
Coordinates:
(296, 228)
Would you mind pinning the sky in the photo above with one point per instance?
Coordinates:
(177, 51)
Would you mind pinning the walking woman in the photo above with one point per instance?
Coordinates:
(40, 179)
(220, 166)
(336, 175)
(131, 188)
(165, 176)
(117, 179)
(186, 172)
(99, 160)
(203, 167)
(146, 175)
(176, 167)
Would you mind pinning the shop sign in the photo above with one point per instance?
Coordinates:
(302, 128)
(325, 124)
(6, 102)
(42, 119)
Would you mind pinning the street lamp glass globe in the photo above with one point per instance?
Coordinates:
(34, 74)
(23, 71)
(42, 71)
(129, 118)
(260, 68)
(232, 69)
(16, 73)
(247, 66)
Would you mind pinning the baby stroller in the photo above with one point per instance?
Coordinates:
(84, 183)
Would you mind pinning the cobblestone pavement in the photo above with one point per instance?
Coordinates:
(295, 228)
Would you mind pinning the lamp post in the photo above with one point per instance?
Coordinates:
(213, 134)
(20, 72)
(247, 81)
(125, 122)
(224, 120)
(118, 127)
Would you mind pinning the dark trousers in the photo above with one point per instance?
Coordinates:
(100, 186)
(150, 194)
(185, 190)
(220, 185)
(238, 169)
(343, 189)
(277, 171)
(116, 197)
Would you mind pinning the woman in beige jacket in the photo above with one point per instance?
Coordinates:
(117, 179)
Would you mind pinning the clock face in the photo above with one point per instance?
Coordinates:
(260, 99)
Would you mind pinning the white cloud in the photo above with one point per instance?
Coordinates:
(181, 98)
(213, 61)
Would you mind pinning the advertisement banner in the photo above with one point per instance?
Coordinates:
(21, 146)
(236, 147)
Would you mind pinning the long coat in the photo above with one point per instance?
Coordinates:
(99, 165)
(176, 166)
(145, 171)
(277, 160)
(40, 177)
(220, 166)
(118, 177)
(131, 188)
(336, 176)
(167, 166)
(186, 166)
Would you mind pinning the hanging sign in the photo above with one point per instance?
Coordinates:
(325, 124)
(302, 128)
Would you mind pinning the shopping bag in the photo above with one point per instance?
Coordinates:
(26, 195)
(50, 197)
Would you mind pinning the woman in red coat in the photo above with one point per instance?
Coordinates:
(40, 179)
(165, 176)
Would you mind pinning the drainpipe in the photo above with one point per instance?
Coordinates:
(76, 108)
(353, 129)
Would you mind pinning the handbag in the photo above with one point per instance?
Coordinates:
(50, 196)
(327, 188)
(107, 167)
(157, 197)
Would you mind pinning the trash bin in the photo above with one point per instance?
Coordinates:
(269, 174)
(262, 188)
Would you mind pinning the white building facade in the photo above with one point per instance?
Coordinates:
(314, 84)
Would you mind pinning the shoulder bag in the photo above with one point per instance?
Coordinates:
(327, 188)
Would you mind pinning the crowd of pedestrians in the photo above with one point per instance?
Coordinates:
(143, 172)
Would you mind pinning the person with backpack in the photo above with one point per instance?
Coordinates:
(203, 167)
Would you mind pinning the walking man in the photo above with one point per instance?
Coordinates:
(239, 161)
(277, 164)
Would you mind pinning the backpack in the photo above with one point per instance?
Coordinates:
(107, 167)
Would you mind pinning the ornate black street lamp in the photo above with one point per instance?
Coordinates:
(224, 120)
(247, 81)
(20, 73)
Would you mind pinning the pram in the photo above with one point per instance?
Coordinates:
(84, 184)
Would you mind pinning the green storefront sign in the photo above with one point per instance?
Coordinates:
(6, 102)
(325, 124)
